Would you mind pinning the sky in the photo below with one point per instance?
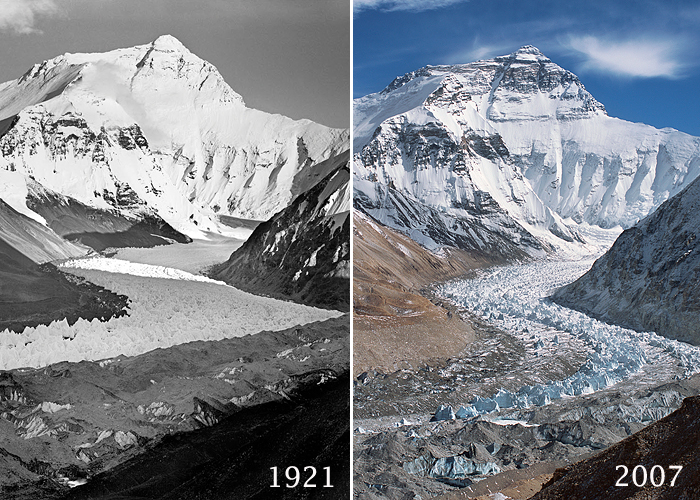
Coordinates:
(641, 59)
(283, 56)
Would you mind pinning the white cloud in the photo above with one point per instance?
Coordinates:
(19, 16)
(633, 58)
(394, 5)
(479, 52)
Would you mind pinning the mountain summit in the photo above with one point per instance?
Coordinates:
(513, 149)
(150, 130)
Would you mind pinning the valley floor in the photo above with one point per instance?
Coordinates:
(542, 385)
(83, 399)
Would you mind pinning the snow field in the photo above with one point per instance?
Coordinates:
(514, 298)
(168, 307)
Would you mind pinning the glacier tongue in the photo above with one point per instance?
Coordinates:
(166, 307)
(515, 298)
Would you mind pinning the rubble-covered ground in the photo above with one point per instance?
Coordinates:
(543, 386)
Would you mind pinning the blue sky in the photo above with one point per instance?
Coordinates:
(641, 59)
(282, 56)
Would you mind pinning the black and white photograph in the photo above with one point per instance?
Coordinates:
(174, 249)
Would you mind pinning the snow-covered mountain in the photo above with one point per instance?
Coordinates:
(650, 277)
(151, 131)
(510, 148)
(302, 252)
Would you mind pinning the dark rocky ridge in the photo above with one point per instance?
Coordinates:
(300, 253)
(669, 441)
(232, 459)
(650, 277)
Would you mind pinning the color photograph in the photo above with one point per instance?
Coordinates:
(525, 227)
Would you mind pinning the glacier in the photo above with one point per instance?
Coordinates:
(167, 307)
(516, 299)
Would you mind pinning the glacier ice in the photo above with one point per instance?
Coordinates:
(168, 307)
(515, 298)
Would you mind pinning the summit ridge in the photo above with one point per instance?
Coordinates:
(515, 138)
(159, 123)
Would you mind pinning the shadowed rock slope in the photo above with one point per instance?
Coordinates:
(32, 293)
(650, 278)
(670, 441)
(100, 228)
(303, 252)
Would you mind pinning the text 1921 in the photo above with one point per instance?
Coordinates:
(294, 477)
(656, 476)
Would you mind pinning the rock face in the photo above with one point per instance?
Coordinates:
(152, 131)
(510, 148)
(650, 278)
(670, 441)
(303, 252)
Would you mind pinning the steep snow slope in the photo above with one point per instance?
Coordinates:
(650, 278)
(32, 239)
(516, 137)
(159, 126)
(302, 252)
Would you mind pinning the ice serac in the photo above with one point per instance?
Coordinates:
(516, 142)
(302, 252)
(650, 278)
(154, 131)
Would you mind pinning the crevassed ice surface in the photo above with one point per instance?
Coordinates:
(514, 298)
(167, 307)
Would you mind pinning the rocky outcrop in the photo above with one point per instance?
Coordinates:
(668, 442)
(650, 278)
(303, 252)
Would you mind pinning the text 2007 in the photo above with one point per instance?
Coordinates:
(294, 477)
(656, 476)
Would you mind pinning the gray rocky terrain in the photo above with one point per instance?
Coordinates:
(650, 278)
